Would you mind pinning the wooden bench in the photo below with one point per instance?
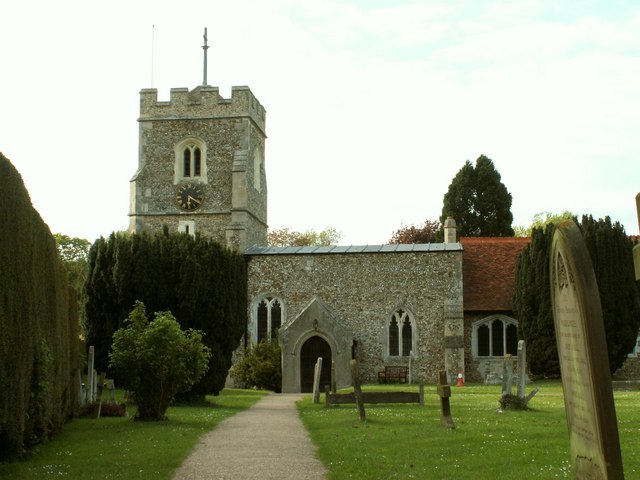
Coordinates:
(393, 374)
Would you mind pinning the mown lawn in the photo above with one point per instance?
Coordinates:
(120, 448)
(406, 441)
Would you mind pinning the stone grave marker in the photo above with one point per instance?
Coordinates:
(522, 368)
(507, 375)
(584, 364)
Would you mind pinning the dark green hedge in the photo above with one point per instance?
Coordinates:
(38, 325)
(202, 283)
(611, 256)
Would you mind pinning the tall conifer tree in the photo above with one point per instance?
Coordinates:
(610, 251)
(478, 201)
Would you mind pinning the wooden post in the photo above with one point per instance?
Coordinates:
(316, 380)
(422, 394)
(357, 391)
(444, 392)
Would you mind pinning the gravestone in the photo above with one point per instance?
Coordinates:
(507, 374)
(522, 368)
(584, 364)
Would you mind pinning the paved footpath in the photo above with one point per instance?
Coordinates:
(266, 441)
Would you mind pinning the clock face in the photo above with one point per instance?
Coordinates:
(189, 196)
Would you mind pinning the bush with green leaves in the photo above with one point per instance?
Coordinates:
(200, 281)
(260, 366)
(156, 360)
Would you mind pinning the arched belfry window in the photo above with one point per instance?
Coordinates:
(495, 336)
(190, 160)
(400, 334)
(268, 315)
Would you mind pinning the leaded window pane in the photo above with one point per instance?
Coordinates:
(393, 337)
(187, 162)
(497, 338)
(512, 339)
(407, 337)
(262, 321)
(196, 162)
(276, 318)
(483, 341)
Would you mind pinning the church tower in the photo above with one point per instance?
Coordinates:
(201, 165)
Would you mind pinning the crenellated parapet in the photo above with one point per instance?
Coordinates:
(203, 102)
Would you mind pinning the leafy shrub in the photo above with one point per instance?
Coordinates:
(156, 360)
(260, 367)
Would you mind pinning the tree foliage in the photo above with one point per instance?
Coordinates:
(416, 234)
(156, 360)
(532, 304)
(74, 253)
(38, 325)
(202, 283)
(478, 201)
(285, 237)
(611, 255)
(260, 366)
(541, 220)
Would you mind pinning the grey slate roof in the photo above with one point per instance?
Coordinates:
(331, 249)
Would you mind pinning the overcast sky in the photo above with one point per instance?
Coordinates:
(372, 106)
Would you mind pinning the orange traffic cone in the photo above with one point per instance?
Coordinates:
(460, 379)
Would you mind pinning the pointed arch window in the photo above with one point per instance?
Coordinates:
(190, 160)
(268, 318)
(495, 336)
(400, 334)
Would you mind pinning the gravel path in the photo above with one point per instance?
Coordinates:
(266, 441)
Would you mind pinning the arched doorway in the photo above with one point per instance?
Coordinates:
(313, 348)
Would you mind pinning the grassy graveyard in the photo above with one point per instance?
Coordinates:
(406, 440)
(400, 441)
(119, 448)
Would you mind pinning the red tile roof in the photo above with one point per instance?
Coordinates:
(488, 271)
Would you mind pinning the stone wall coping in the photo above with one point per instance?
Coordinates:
(333, 249)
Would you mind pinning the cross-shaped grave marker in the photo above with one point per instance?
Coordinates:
(444, 392)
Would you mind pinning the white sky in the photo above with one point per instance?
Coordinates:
(372, 106)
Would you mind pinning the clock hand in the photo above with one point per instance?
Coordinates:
(196, 202)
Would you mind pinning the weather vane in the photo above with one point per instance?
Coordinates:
(205, 47)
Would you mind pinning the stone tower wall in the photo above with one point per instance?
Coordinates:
(233, 132)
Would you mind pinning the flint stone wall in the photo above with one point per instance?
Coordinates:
(363, 290)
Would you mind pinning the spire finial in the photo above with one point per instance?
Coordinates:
(205, 47)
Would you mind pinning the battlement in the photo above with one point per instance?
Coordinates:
(201, 102)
